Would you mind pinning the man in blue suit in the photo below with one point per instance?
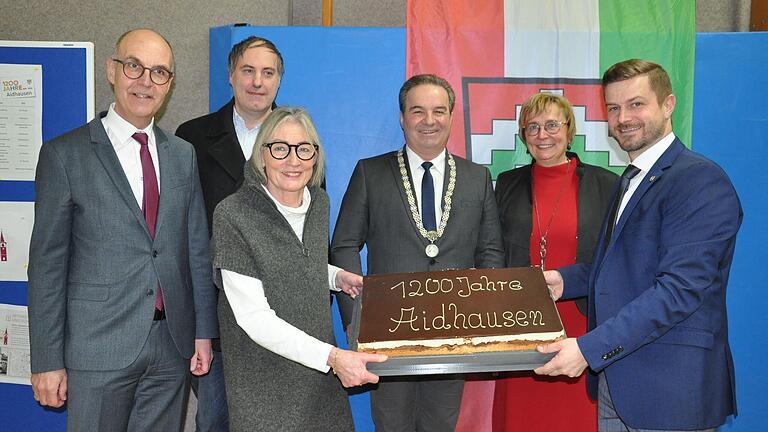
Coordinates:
(658, 331)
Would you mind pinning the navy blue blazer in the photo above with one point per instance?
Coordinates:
(657, 314)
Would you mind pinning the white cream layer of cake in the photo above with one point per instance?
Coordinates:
(479, 340)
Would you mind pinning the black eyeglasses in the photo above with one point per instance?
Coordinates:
(281, 149)
(551, 127)
(133, 70)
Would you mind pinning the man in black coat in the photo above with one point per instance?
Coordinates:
(223, 141)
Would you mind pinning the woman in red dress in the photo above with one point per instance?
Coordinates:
(551, 212)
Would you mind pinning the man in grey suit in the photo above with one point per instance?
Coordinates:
(120, 299)
(418, 209)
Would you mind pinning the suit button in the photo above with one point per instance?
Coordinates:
(150, 292)
(432, 261)
(605, 357)
(619, 349)
(154, 254)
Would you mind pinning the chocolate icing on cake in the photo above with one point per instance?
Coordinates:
(476, 306)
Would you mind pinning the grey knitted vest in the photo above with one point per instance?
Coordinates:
(267, 391)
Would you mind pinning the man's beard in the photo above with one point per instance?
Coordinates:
(652, 133)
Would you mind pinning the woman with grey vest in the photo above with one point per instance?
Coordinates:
(270, 256)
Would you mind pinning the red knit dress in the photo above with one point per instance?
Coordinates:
(525, 401)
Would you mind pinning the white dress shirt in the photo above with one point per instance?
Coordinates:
(119, 132)
(438, 175)
(645, 162)
(254, 315)
(245, 136)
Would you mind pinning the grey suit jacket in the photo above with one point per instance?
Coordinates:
(93, 267)
(375, 212)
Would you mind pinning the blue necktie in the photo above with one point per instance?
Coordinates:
(630, 172)
(428, 199)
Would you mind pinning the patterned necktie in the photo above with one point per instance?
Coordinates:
(428, 199)
(629, 173)
(151, 198)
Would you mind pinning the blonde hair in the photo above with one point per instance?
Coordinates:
(538, 104)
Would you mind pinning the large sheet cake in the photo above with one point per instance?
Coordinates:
(457, 312)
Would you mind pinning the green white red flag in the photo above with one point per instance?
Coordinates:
(497, 53)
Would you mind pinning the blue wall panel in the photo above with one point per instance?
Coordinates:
(65, 107)
(730, 120)
(348, 79)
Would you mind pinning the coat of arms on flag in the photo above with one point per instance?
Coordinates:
(491, 130)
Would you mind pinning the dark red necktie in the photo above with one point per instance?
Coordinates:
(151, 198)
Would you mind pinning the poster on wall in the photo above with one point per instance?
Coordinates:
(15, 233)
(14, 345)
(21, 120)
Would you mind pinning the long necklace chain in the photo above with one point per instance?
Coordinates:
(429, 235)
(543, 238)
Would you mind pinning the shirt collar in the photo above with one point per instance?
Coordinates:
(648, 158)
(415, 161)
(122, 129)
(239, 122)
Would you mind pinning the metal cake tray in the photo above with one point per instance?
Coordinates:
(460, 363)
